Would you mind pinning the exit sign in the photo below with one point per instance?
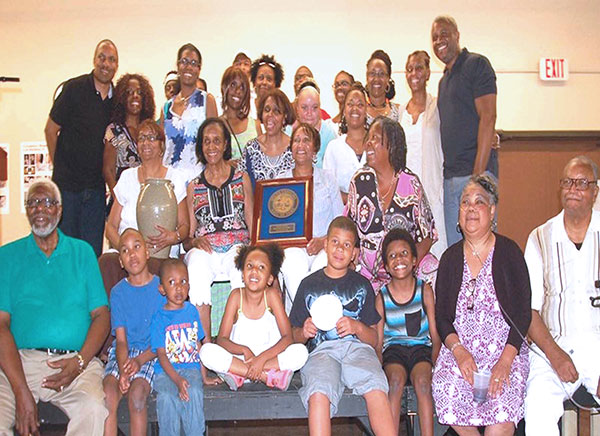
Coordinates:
(554, 69)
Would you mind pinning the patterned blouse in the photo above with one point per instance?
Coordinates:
(181, 132)
(125, 146)
(395, 114)
(409, 210)
(259, 166)
(219, 212)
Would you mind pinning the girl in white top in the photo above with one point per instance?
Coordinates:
(255, 337)
(421, 123)
(346, 154)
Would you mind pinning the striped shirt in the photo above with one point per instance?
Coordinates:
(563, 278)
(405, 324)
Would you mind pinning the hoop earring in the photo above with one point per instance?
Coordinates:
(458, 229)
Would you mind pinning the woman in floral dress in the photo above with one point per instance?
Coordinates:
(483, 311)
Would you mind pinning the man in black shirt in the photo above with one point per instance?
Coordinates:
(467, 106)
(74, 135)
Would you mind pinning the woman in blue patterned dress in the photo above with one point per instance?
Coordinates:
(182, 115)
(483, 311)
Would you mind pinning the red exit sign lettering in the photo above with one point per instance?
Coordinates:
(554, 69)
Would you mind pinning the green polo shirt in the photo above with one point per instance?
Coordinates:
(50, 299)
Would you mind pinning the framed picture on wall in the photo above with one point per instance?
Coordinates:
(283, 212)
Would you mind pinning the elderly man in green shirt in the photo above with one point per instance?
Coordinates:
(53, 320)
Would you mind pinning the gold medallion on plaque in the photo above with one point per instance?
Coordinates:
(283, 203)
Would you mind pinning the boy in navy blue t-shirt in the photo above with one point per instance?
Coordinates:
(130, 367)
(176, 336)
(343, 356)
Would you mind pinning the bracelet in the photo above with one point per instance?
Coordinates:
(455, 346)
(81, 362)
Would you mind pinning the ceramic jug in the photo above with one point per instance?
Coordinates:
(156, 205)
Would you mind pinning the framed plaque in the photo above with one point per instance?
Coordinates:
(283, 212)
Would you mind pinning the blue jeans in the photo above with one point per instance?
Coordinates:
(83, 216)
(172, 410)
(453, 188)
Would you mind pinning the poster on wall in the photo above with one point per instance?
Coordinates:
(4, 203)
(35, 163)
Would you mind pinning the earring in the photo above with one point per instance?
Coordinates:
(494, 225)
(458, 229)
(343, 124)
(314, 159)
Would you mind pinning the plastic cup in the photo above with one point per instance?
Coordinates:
(481, 383)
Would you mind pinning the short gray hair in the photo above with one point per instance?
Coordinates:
(49, 185)
(446, 19)
(586, 161)
(488, 183)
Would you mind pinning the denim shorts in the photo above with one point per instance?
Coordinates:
(340, 363)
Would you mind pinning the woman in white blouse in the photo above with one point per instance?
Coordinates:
(421, 123)
(346, 154)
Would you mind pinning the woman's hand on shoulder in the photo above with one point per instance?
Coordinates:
(315, 246)
(202, 243)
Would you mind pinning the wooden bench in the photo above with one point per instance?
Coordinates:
(250, 402)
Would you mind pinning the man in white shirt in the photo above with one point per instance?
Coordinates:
(563, 257)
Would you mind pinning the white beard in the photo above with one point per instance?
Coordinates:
(44, 231)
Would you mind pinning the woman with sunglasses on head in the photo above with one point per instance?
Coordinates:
(134, 103)
(482, 313)
(235, 90)
(266, 74)
(182, 115)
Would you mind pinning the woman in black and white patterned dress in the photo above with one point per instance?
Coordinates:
(268, 156)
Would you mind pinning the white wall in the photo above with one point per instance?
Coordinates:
(45, 42)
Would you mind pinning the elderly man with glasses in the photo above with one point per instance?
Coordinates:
(563, 257)
(53, 320)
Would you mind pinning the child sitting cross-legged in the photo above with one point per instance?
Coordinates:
(130, 367)
(408, 330)
(344, 355)
(255, 337)
(176, 336)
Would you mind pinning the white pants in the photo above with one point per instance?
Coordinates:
(297, 265)
(82, 401)
(204, 268)
(218, 359)
(545, 391)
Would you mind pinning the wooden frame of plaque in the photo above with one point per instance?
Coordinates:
(283, 212)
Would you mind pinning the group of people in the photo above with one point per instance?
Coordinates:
(403, 238)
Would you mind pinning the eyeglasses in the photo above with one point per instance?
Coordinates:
(580, 184)
(376, 74)
(471, 294)
(137, 92)
(185, 62)
(151, 138)
(33, 203)
(343, 84)
(478, 203)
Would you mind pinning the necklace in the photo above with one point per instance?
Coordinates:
(477, 251)
(392, 185)
(183, 99)
(383, 106)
